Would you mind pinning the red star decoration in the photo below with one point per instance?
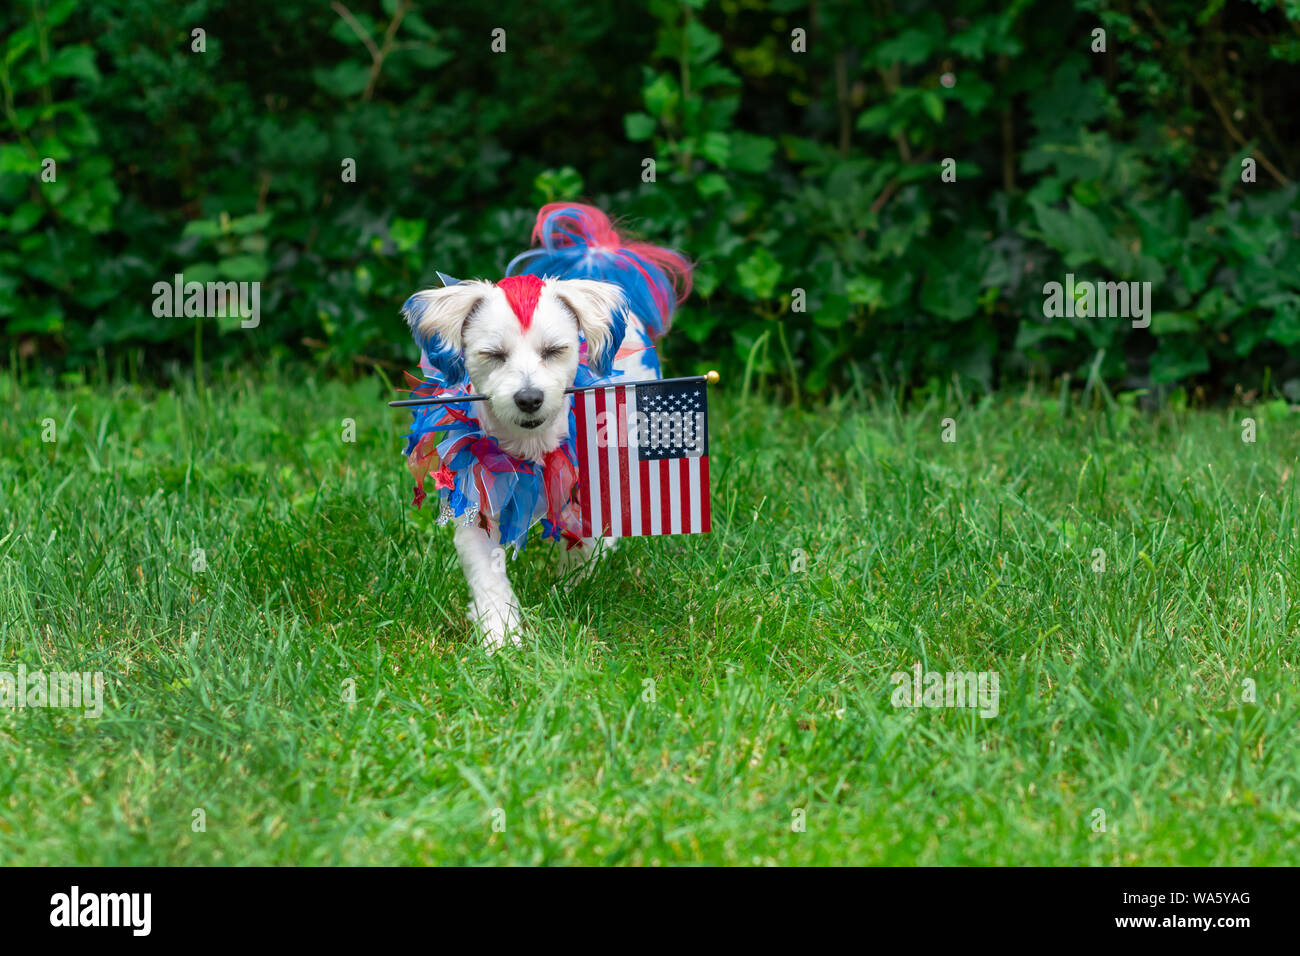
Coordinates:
(419, 496)
(443, 478)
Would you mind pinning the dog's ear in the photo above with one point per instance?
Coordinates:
(437, 318)
(600, 308)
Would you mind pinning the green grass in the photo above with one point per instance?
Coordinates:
(1121, 691)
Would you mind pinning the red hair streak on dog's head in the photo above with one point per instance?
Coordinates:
(580, 241)
(522, 292)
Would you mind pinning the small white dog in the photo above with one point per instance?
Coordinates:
(587, 301)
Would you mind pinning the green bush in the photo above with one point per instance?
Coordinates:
(802, 172)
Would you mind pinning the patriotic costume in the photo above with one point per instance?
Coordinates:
(475, 477)
(472, 476)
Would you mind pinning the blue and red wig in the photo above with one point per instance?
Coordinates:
(579, 242)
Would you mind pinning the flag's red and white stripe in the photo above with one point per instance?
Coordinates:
(623, 496)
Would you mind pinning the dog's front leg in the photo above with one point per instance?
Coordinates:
(493, 606)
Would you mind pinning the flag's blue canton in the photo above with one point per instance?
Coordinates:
(676, 418)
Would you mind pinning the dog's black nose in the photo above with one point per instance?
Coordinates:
(529, 399)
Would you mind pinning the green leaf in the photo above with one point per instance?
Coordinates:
(202, 272)
(716, 148)
(1082, 238)
(407, 233)
(910, 47)
(254, 223)
(638, 126)
(1032, 331)
(15, 159)
(702, 43)
(759, 274)
(344, 81)
(56, 13)
(428, 57)
(1284, 327)
(27, 215)
(705, 279)
(53, 148)
(342, 30)
(558, 184)
(933, 105)
(661, 95)
(714, 74)
(1166, 323)
(950, 294)
(203, 228)
(972, 93)
(9, 300)
(865, 291)
(78, 61)
(877, 118)
(46, 321)
(243, 268)
(1176, 360)
(22, 40)
(696, 323)
(363, 278)
(711, 184)
(750, 153)
(77, 129)
(417, 25)
(833, 312)
(971, 43)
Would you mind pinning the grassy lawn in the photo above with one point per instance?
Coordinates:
(686, 703)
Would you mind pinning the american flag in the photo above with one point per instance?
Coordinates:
(643, 459)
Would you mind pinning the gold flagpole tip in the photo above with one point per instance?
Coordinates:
(712, 377)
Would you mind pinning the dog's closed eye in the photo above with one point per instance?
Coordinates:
(553, 352)
(493, 355)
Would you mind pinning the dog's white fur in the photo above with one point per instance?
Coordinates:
(503, 359)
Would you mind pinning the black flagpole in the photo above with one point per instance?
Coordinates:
(709, 379)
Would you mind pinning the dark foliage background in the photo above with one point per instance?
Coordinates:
(776, 170)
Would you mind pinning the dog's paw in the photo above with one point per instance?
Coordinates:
(495, 638)
(577, 564)
(496, 626)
